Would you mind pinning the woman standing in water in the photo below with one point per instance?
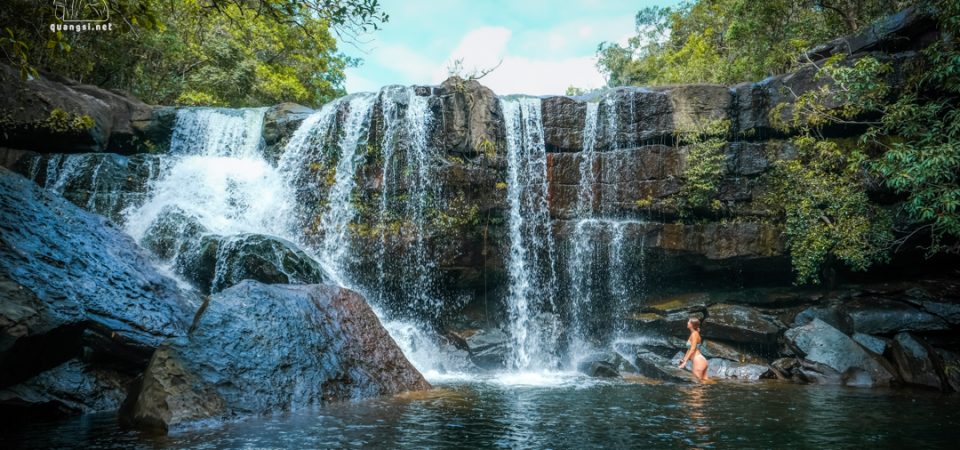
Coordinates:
(694, 354)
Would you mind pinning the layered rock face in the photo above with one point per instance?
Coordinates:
(256, 348)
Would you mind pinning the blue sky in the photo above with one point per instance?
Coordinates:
(545, 46)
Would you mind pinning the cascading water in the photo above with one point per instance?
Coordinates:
(530, 263)
(603, 279)
(218, 175)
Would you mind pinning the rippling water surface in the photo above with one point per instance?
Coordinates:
(550, 410)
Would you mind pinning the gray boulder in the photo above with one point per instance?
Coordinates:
(257, 349)
(918, 363)
(821, 343)
(741, 324)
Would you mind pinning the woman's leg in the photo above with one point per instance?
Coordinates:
(700, 367)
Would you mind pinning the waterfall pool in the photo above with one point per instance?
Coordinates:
(561, 410)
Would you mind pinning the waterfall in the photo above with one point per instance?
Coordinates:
(603, 279)
(216, 173)
(335, 249)
(530, 263)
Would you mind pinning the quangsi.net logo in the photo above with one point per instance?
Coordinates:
(82, 15)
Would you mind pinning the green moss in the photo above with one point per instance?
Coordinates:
(62, 121)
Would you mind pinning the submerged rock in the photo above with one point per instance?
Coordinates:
(75, 288)
(259, 348)
(605, 365)
(823, 344)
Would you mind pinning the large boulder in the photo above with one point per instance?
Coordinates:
(257, 349)
(56, 115)
(884, 316)
(214, 263)
(735, 323)
(918, 363)
(488, 348)
(74, 287)
(657, 367)
(823, 344)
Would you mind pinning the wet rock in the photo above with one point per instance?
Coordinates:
(814, 372)
(654, 366)
(713, 349)
(172, 230)
(830, 314)
(872, 343)
(821, 343)
(214, 263)
(726, 369)
(70, 388)
(605, 365)
(261, 348)
(279, 123)
(785, 368)
(672, 324)
(472, 117)
(739, 324)
(563, 121)
(881, 316)
(951, 368)
(917, 362)
(75, 285)
(488, 348)
(103, 183)
(56, 115)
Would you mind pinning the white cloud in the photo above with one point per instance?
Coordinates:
(486, 47)
(520, 75)
(479, 49)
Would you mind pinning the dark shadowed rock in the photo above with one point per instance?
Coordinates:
(70, 388)
(739, 324)
(62, 116)
(605, 365)
(73, 285)
(652, 365)
(259, 348)
(726, 369)
(951, 368)
(214, 263)
(488, 348)
(918, 363)
(880, 316)
(279, 123)
(821, 343)
(872, 343)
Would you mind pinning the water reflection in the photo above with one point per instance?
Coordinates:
(579, 413)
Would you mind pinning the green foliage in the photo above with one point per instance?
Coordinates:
(63, 121)
(705, 166)
(191, 52)
(826, 213)
(729, 41)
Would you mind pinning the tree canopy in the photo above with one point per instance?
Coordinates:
(186, 52)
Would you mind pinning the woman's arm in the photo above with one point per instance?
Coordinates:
(694, 340)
